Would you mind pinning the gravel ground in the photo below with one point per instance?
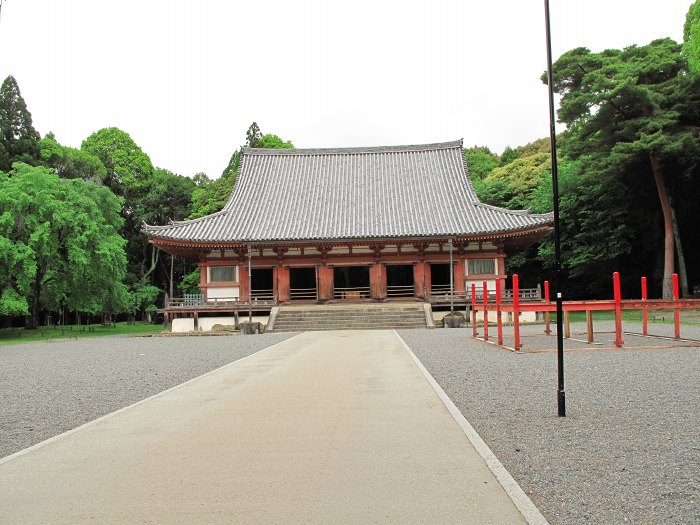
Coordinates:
(48, 388)
(629, 450)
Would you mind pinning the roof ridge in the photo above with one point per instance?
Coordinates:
(356, 150)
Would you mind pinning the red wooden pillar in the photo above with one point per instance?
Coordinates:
(676, 311)
(474, 310)
(486, 312)
(645, 312)
(282, 284)
(499, 324)
(458, 277)
(419, 280)
(546, 314)
(618, 309)
(427, 279)
(377, 281)
(516, 312)
(243, 280)
(325, 283)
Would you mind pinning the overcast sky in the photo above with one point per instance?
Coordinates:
(186, 79)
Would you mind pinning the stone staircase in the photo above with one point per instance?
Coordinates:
(350, 317)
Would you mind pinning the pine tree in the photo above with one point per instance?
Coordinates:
(19, 141)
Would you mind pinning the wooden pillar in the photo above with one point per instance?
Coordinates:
(459, 276)
(243, 279)
(203, 270)
(325, 283)
(282, 284)
(377, 281)
(419, 280)
(428, 279)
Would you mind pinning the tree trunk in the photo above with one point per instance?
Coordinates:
(682, 272)
(33, 320)
(667, 288)
(154, 261)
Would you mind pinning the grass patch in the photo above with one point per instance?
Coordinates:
(691, 317)
(9, 336)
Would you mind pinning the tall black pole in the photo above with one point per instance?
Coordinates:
(561, 394)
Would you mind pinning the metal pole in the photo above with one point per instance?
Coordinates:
(452, 290)
(561, 394)
(250, 285)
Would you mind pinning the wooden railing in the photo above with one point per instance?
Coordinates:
(259, 298)
(303, 294)
(352, 293)
(442, 296)
(400, 291)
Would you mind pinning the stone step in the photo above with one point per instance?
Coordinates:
(366, 317)
(349, 317)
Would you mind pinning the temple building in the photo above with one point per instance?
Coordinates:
(368, 224)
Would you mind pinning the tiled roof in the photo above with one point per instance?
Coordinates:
(348, 194)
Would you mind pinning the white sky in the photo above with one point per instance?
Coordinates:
(186, 79)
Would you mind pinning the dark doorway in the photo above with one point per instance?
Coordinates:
(302, 284)
(351, 282)
(439, 278)
(399, 280)
(261, 279)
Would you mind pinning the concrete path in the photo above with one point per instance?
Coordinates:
(327, 427)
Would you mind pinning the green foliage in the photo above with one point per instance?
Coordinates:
(508, 155)
(691, 37)
(166, 196)
(143, 297)
(274, 142)
(512, 185)
(627, 110)
(209, 196)
(190, 282)
(480, 161)
(65, 234)
(18, 138)
(71, 163)
(128, 167)
(252, 136)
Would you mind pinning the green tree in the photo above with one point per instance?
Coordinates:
(509, 155)
(65, 235)
(691, 37)
(253, 136)
(480, 161)
(128, 167)
(512, 185)
(71, 163)
(270, 141)
(625, 106)
(19, 141)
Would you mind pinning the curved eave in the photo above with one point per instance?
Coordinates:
(196, 249)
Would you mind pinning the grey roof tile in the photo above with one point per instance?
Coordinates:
(351, 193)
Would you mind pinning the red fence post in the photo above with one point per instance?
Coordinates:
(618, 310)
(645, 312)
(499, 325)
(474, 334)
(676, 310)
(546, 314)
(486, 312)
(516, 312)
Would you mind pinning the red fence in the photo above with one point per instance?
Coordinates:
(616, 305)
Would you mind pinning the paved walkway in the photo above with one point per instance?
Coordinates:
(329, 427)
